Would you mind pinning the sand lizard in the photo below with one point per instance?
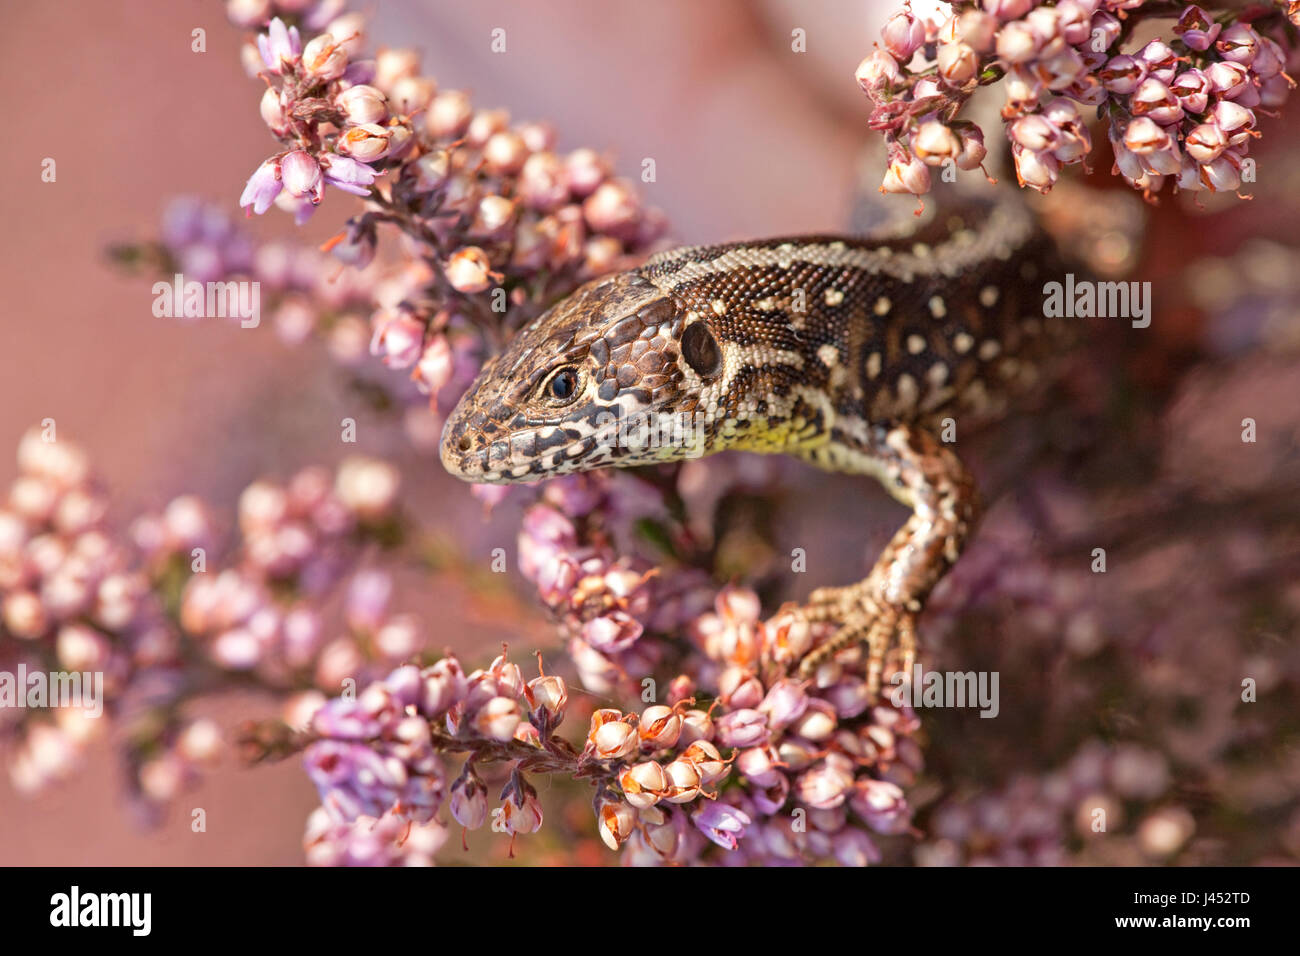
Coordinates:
(846, 352)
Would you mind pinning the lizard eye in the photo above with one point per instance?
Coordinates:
(700, 349)
(563, 385)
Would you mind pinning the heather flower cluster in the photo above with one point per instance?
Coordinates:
(1183, 111)
(165, 612)
(496, 223)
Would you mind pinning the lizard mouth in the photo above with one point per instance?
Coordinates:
(545, 451)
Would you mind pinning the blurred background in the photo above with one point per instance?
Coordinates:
(749, 139)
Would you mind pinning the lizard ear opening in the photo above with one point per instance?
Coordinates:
(700, 349)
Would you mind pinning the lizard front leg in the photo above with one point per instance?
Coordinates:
(924, 474)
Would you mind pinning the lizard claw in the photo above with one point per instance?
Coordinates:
(862, 620)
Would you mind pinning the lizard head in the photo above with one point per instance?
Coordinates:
(614, 374)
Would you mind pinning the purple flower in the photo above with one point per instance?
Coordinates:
(347, 174)
(742, 728)
(279, 46)
(262, 187)
(1196, 29)
(721, 823)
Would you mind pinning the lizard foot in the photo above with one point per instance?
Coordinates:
(863, 620)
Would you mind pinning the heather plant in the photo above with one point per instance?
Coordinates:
(667, 701)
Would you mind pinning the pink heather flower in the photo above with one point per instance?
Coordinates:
(362, 104)
(707, 761)
(1239, 43)
(643, 784)
(1227, 78)
(522, 813)
(683, 781)
(468, 799)
(721, 823)
(659, 728)
(611, 737)
(1196, 29)
(324, 58)
(443, 686)
(973, 150)
(301, 175)
(817, 722)
(548, 695)
(957, 63)
(1154, 99)
(498, 719)
(279, 46)
(881, 804)
(742, 728)
(1162, 62)
(1192, 89)
(435, 367)
(785, 702)
(906, 174)
(1122, 74)
(399, 338)
(367, 143)
(903, 35)
(1205, 142)
(1235, 120)
(761, 766)
(347, 174)
(262, 187)
(934, 143)
(1034, 132)
(469, 270)
(612, 633)
(1223, 174)
(1106, 27)
(878, 75)
(1018, 42)
(615, 821)
(827, 784)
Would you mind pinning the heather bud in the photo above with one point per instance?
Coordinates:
(878, 75)
(498, 718)
(362, 104)
(366, 143)
(324, 58)
(957, 63)
(469, 799)
(934, 143)
(902, 35)
(469, 270)
(549, 694)
(301, 175)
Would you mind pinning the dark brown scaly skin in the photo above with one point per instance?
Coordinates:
(846, 352)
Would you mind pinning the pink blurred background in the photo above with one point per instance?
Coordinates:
(748, 137)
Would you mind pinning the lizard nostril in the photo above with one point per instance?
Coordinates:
(465, 443)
